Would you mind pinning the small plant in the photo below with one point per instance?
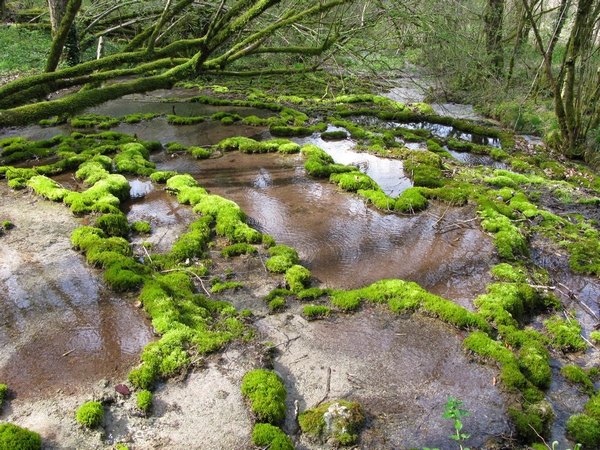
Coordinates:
(90, 414)
(7, 225)
(277, 304)
(144, 400)
(454, 412)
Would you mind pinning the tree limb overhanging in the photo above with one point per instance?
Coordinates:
(233, 31)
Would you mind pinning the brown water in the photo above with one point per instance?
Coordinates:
(59, 326)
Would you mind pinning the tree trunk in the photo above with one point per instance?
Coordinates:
(63, 33)
(494, 18)
(57, 10)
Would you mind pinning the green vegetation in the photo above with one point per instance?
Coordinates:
(144, 400)
(313, 312)
(90, 414)
(267, 395)
(566, 335)
(269, 436)
(277, 304)
(13, 437)
(584, 430)
(345, 419)
(240, 248)
(297, 277)
(576, 374)
(3, 392)
(282, 258)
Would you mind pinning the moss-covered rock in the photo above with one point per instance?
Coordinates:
(584, 430)
(266, 392)
(338, 420)
(269, 436)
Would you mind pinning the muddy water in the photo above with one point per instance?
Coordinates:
(59, 327)
(345, 243)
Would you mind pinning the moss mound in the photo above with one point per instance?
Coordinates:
(90, 414)
(339, 420)
(13, 437)
(267, 395)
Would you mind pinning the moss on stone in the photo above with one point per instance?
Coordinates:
(220, 287)
(282, 258)
(577, 375)
(565, 335)
(113, 224)
(277, 304)
(134, 159)
(338, 420)
(353, 181)
(313, 312)
(240, 248)
(584, 430)
(47, 188)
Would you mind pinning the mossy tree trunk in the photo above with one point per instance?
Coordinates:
(62, 35)
(231, 31)
(494, 18)
(57, 9)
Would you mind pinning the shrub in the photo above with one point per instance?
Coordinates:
(269, 436)
(144, 400)
(13, 437)
(90, 414)
(585, 430)
(267, 394)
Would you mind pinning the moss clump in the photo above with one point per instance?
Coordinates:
(353, 181)
(592, 407)
(331, 135)
(47, 188)
(134, 159)
(584, 430)
(220, 287)
(144, 400)
(533, 421)
(576, 374)
(282, 258)
(509, 273)
(178, 120)
(13, 437)
(566, 336)
(90, 414)
(240, 248)
(141, 227)
(297, 277)
(313, 312)
(3, 392)
(311, 293)
(277, 304)
(339, 420)
(113, 224)
(267, 395)
(269, 436)
(378, 198)
(411, 200)
(161, 176)
(507, 303)
(199, 152)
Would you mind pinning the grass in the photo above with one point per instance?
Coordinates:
(23, 51)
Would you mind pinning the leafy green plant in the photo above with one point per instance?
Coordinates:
(453, 411)
(144, 400)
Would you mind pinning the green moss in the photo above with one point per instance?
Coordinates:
(134, 159)
(47, 188)
(289, 148)
(316, 311)
(13, 437)
(338, 420)
(584, 430)
(311, 293)
(269, 436)
(346, 300)
(113, 224)
(282, 258)
(240, 248)
(534, 421)
(162, 176)
(199, 152)
(353, 181)
(576, 374)
(509, 273)
(220, 287)
(534, 362)
(178, 120)
(411, 201)
(378, 198)
(3, 392)
(506, 303)
(141, 227)
(595, 336)
(332, 135)
(267, 395)
(144, 400)
(277, 293)
(90, 414)
(566, 336)
(277, 304)
(297, 277)
(592, 407)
